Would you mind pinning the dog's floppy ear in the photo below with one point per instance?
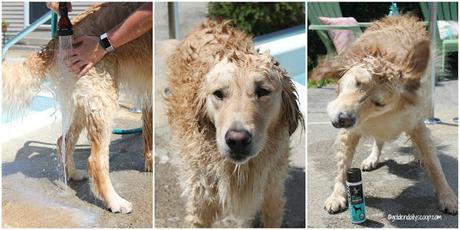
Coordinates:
(327, 69)
(290, 111)
(201, 112)
(416, 62)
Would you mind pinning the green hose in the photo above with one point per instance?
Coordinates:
(53, 25)
(126, 131)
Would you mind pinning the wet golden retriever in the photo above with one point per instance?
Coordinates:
(231, 112)
(90, 101)
(380, 95)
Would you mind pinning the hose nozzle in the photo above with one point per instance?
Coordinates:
(64, 24)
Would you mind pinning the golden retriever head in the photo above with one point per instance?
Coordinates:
(245, 96)
(375, 86)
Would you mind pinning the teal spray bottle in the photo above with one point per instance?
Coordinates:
(356, 206)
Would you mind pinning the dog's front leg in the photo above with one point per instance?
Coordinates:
(274, 201)
(373, 159)
(71, 138)
(99, 112)
(347, 142)
(147, 136)
(446, 196)
(202, 207)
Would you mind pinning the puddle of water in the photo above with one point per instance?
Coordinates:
(36, 213)
(40, 205)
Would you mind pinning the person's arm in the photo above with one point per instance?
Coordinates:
(89, 52)
(133, 27)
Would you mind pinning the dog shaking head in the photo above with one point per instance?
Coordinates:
(374, 85)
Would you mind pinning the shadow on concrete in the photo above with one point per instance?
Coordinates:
(418, 199)
(294, 211)
(39, 160)
(372, 224)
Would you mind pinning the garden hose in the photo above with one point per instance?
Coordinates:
(126, 131)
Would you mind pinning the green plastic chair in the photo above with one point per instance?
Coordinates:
(445, 11)
(332, 10)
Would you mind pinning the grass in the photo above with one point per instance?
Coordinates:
(319, 84)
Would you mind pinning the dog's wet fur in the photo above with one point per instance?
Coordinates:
(380, 94)
(231, 111)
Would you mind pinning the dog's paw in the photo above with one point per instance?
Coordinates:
(449, 203)
(148, 167)
(77, 175)
(335, 203)
(120, 205)
(148, 163)
(196, 222)
(369, 163)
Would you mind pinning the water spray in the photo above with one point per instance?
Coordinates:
(67, 81)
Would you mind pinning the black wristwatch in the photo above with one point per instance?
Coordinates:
(105, 43)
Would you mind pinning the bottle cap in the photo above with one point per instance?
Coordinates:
(354, 175)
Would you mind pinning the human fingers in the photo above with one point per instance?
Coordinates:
(85, 70)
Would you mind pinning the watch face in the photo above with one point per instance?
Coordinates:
(105, 43)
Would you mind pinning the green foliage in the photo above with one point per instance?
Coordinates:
(259, 18)
(320, 83)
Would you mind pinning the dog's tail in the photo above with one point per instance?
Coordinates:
(22, 81)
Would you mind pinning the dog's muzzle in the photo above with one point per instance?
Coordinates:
(344, 120)
(239, 141)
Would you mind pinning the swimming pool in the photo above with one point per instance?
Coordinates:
(41, 112)
(288, 48)
(39, 104)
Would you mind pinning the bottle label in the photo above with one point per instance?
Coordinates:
(356, 206)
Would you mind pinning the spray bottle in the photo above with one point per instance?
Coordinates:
(64, 24)
(356, 206)
(394, 11)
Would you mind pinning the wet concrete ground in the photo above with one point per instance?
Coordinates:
(400, 185)
(33, 194)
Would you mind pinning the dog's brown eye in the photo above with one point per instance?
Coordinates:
(219, 94)
(358, 84)
(260, 92)
(378, 104)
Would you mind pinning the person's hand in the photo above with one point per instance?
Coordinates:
(87, 53)
(54, 6)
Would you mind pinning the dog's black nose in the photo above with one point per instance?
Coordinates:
(238, 141)
(345, 120)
